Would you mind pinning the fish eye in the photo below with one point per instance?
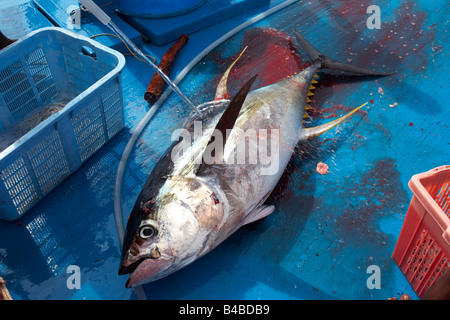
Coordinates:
(147, 231)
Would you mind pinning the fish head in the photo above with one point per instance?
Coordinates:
(167, 234)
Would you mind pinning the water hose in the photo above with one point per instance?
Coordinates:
(106, 20)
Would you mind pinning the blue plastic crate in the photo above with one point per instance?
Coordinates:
(47, 67)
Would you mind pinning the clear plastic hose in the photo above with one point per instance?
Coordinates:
(106, 20)
(174, 87)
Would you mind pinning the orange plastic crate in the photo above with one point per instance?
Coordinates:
(422, 251)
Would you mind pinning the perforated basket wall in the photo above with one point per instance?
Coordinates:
(51, 66)
(422, 251)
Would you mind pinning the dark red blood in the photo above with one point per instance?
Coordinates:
(147, 206)
(377, 193)
(270, 54)
(214, 197)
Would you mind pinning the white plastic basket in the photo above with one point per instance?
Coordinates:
(48, 66)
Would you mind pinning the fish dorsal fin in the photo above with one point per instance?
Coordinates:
(227, 121)
(221, 91)
(307, 133)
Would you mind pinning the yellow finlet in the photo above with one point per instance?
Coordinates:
(314, 81)
(308, 100)
(310, 93)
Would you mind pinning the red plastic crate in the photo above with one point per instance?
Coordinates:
(422, 251)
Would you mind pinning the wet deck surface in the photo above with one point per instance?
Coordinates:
(327, 229)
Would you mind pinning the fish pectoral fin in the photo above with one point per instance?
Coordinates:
(307, 133)
(258, 213)
(221, 91)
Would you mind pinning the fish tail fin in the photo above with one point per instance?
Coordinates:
(329, 63)
(307, 133)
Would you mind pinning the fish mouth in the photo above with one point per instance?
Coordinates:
(126, 268)
(146, 270)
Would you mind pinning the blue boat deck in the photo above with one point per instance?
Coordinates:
(327, 229)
